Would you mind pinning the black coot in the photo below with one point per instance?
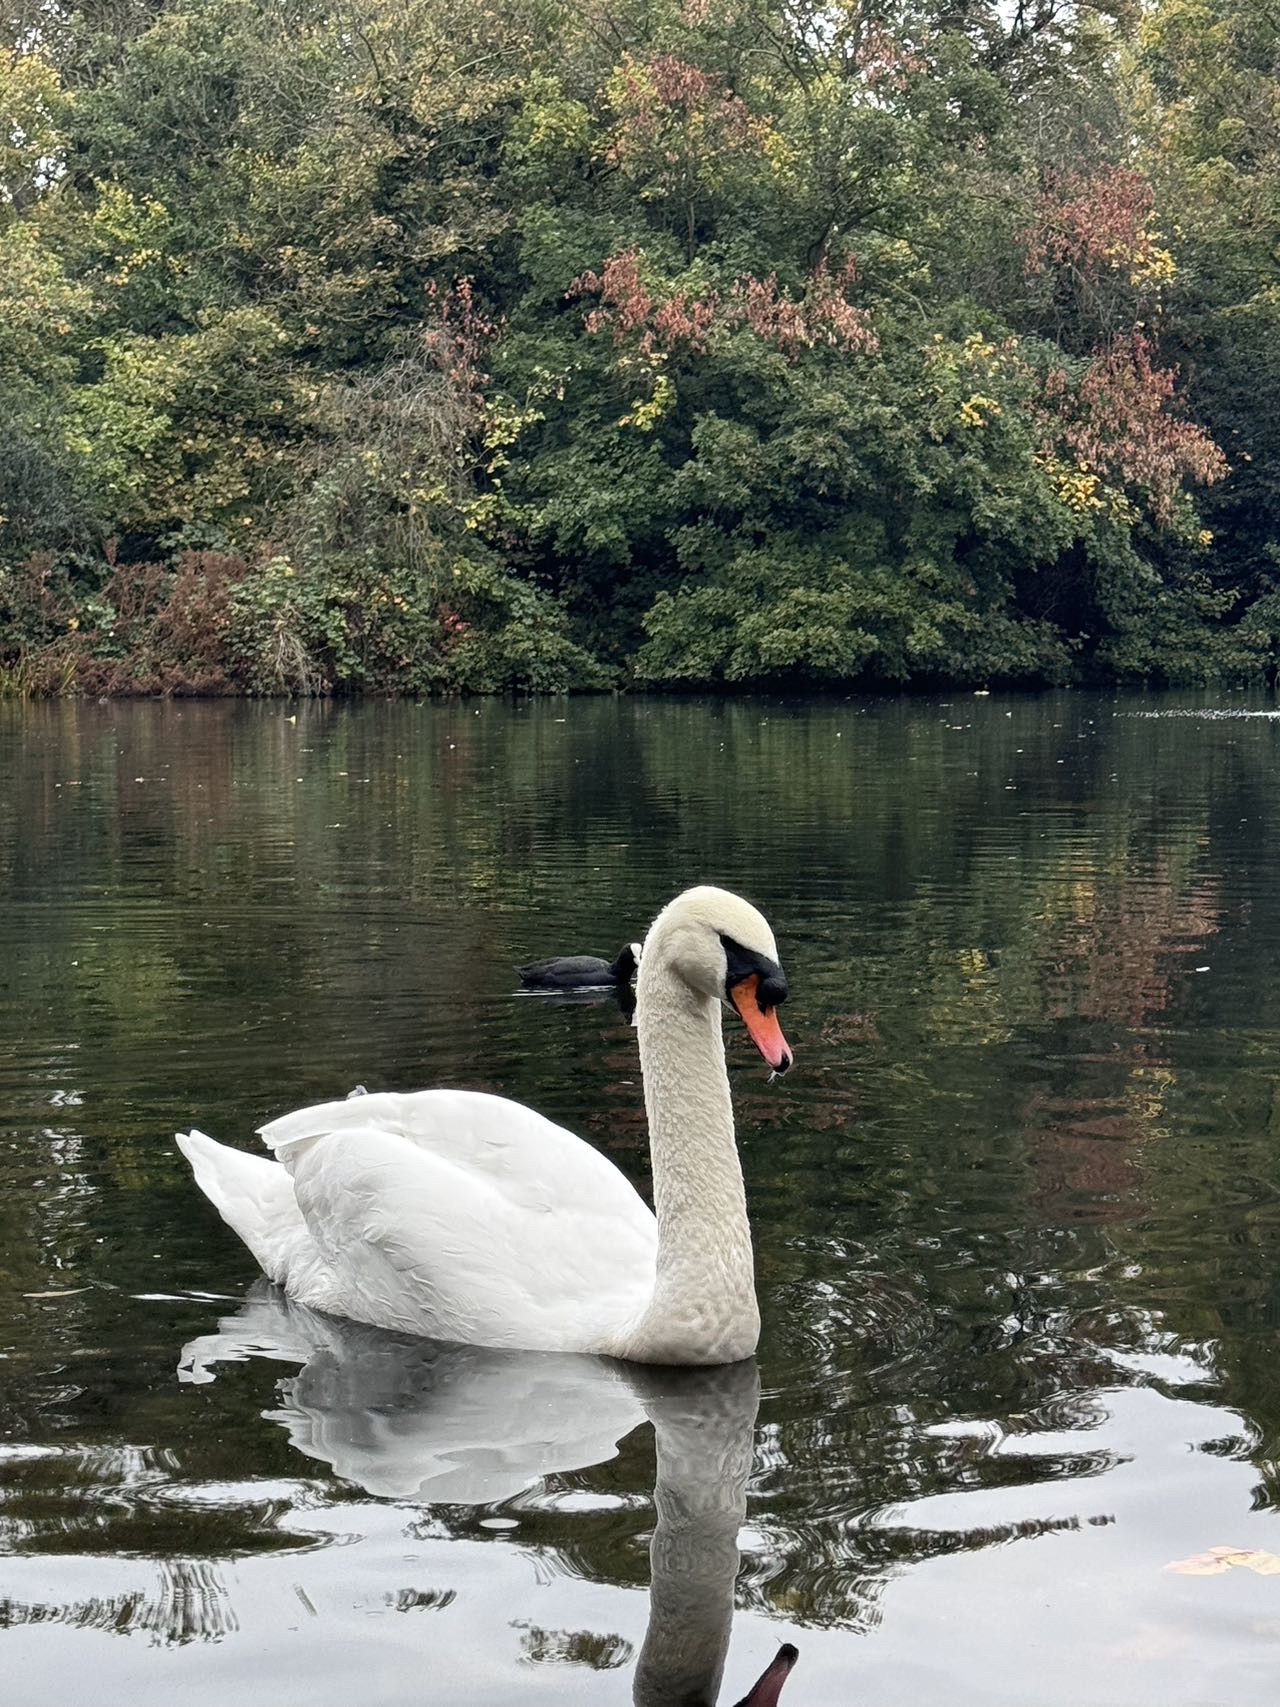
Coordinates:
(580, 971)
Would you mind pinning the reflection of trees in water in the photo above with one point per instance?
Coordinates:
(1112, 953)
(836, 1474)
(574, 1647)
(1113, 962)
(832, 1489)
(865, 1431)
(190, 1604)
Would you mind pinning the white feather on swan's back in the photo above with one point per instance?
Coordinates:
(529, 1158)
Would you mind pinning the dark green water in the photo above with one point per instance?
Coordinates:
(1017, 1209)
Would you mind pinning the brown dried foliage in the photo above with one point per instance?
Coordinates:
(683, 321)
(163, 631)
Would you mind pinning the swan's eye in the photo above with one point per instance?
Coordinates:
(743, 963)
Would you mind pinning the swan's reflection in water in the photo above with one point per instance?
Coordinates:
(415, 1419)
(593, 996)
(412, 1419)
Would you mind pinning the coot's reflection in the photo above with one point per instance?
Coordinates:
(593, 996)
(464, 1425)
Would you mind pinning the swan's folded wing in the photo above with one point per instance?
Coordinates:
(469, 1217)
(534, 1161)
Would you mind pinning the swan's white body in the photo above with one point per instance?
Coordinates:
(446, 1213)
(467, 1217)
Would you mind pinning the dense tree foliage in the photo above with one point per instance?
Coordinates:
(425, 345)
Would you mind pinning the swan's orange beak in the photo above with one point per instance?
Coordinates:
(762, 1023)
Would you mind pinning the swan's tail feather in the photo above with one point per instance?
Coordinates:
(386, 1109)
(253, 1195)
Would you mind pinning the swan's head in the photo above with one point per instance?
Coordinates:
(722, 947)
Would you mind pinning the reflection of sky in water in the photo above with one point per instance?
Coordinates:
(1106, 1488)
(1017, 1212)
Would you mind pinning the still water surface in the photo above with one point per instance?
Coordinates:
(1017, 1209)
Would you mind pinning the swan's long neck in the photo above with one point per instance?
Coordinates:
(704, 1301)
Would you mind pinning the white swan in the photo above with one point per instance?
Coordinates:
(466, 1217)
